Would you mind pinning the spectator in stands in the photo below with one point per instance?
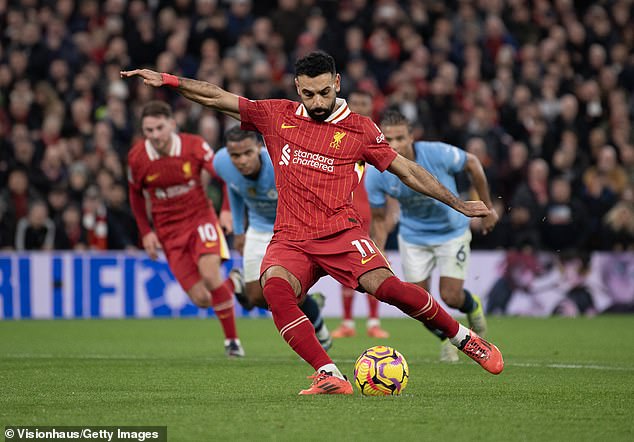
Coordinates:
(6, 233)
(288, 19)
(602, 186)
(57, 200)
(77, 181)
(627, 158)
(533, 194)
(120, 220)
(478, 148)
(17, 197)
(568, 160)
(565, 222)
(513, 171)
(209, 129)
(95, 219)
(617, 231)
(36, 231)
(607, 172)
(69, 232)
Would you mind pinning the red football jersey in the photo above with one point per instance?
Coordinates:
(361, 203)
(172, 182)
(315, 163)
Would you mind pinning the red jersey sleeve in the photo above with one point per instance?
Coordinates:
(256, 114)
(377, 152)
(205, 154)
(137, 199)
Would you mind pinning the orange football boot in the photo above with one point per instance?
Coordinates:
(484, 353)
(325, 383)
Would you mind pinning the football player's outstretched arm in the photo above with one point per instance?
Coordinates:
(202, 92)
(419, 179)
(479, 180)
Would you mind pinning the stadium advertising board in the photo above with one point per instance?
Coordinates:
(127, 285)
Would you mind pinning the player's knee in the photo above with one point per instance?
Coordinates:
(210, 282)
(209, 271)
(200, 296)
(373, 280)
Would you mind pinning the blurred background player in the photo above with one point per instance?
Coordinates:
(431, 233)
(167, 166)
(360, 101)
(246, 169)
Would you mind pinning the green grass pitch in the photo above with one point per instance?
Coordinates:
(565, 379)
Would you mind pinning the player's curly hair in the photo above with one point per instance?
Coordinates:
(314, 64)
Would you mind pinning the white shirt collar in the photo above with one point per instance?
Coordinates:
(175, 150)
(341, 111)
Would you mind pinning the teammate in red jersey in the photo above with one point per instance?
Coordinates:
(360, 102)
(167, 166)
(315, 146)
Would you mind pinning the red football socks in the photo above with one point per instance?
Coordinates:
(222, 303)
(292, 324)
(373, 307)
(416, 302)
(348, 297)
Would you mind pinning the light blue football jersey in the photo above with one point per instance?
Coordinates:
(424, 220)
(258, 196)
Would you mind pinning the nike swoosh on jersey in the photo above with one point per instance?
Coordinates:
(151, 178)
(287, 126)
(366, 260)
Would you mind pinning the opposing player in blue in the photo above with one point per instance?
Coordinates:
(245, 166)
(431, 233)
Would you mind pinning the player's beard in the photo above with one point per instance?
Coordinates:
(326, 112)
(161, 146)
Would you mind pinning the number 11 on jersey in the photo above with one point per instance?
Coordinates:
(360, 248)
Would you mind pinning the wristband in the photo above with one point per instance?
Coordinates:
(169, 79)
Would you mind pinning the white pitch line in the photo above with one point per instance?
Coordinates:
(569, 366)
(574, 366)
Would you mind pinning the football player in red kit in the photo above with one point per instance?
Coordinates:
(167, 166)
(315, 146)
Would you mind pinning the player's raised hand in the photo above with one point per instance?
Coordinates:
(150, 77)
(151, 244)
(475, 209)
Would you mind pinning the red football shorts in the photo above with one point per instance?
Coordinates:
(345, 256)
(183, 250)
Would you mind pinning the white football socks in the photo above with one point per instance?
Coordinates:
(462, 334)
(331, 368)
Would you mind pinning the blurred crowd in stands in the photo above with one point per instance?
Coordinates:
(542, 92)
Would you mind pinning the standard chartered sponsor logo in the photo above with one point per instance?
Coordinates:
(286, 155)
(315, 160)
(171, 192)
(308, 159)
